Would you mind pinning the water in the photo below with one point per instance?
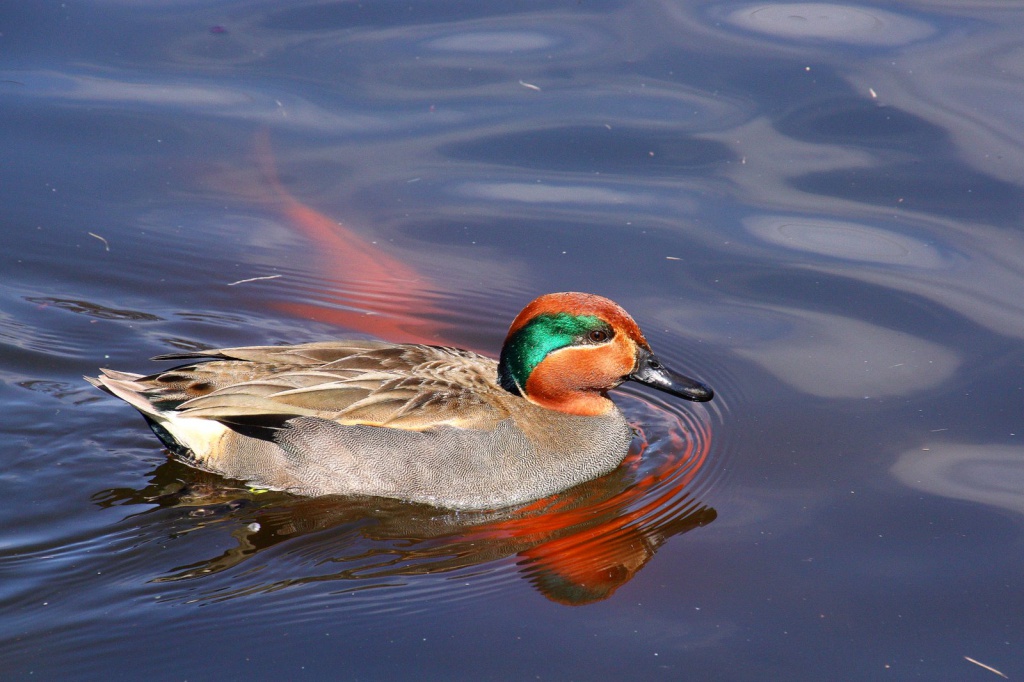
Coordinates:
(815, 208)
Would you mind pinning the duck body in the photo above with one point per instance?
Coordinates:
(429, 424)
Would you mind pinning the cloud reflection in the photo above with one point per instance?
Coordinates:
(832, 22)
(493, 41)
(535, 193)
(989, 474)
(974, 270)
(848, 240)
(831, 356)
(79, 87)
(280, 110)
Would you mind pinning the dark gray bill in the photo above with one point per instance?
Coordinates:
(650, 372)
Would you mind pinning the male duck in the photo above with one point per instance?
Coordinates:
(437, 425)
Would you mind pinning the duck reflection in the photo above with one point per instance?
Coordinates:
(575, 548)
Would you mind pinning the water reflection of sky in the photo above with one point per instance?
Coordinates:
(829, 23)
(991, 475)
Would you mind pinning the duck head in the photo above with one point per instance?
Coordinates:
(565, 352)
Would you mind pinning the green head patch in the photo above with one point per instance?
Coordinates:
(547, 332)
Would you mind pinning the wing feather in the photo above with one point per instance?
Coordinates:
(360, 382)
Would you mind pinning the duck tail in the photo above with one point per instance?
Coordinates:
(125, 386)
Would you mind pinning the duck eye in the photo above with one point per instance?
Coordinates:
(598, 336)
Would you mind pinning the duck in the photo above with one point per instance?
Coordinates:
(427, 424)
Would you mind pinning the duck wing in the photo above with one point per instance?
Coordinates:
(413, 387)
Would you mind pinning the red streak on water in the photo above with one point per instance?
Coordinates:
(376, 293)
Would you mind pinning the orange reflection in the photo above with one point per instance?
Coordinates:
(584, 553)
(375, 293)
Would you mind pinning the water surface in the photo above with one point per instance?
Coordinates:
(815, 208)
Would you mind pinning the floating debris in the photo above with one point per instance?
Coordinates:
(106, 245)
(252, 279)
(987, 667)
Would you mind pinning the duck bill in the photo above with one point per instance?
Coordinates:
(650, 372)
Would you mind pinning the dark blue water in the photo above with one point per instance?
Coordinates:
(815, 208)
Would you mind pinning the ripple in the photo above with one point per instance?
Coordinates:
(93, 309)
(589, 148)
(61, 390)
(681, 434)
(34, 336)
